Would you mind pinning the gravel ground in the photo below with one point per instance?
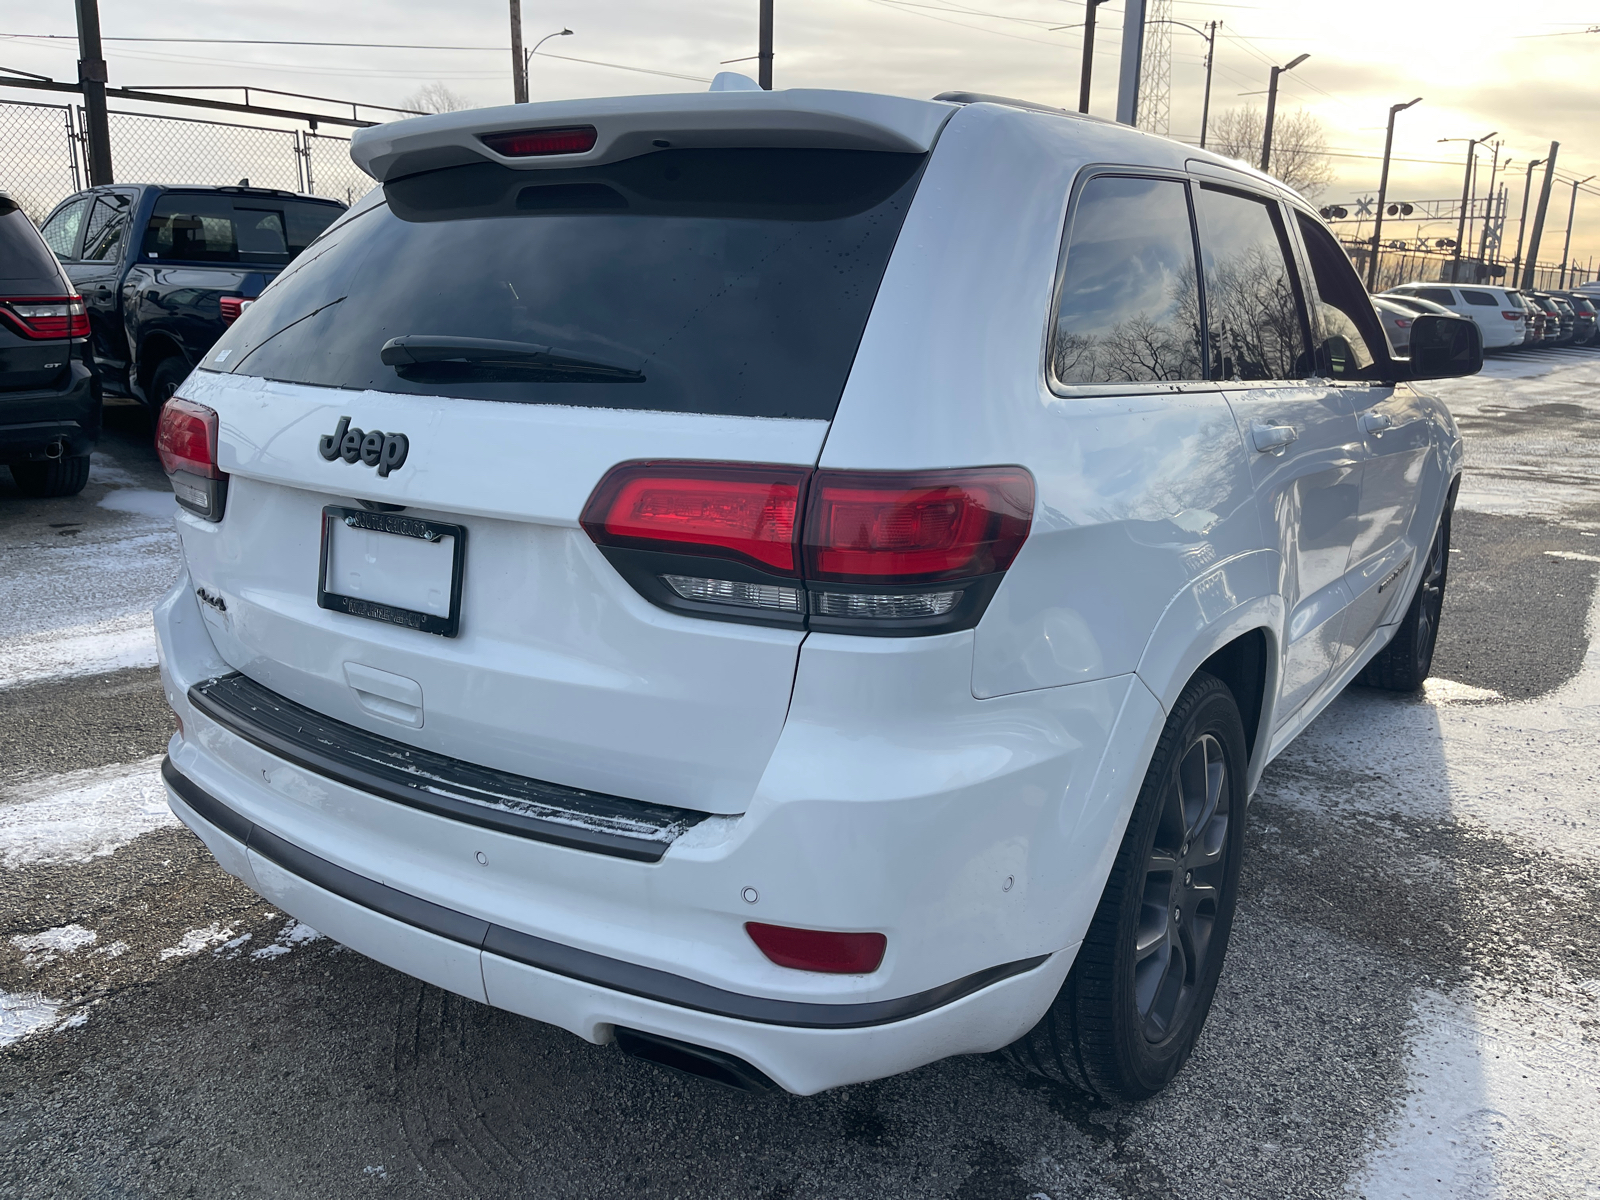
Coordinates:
(1410, 1009)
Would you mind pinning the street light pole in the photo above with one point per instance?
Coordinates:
(1272, 106)
(1488, 212)
(1383, 192)
(1211, 47)
(528, 57)
(1522, 225)
(1571, 212)
(1132, 64)
(1087, 70)
(1466, 185)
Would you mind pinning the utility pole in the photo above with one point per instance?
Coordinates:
(1466, 191)
(1567, 245)
(1272, 107)
(1132, 62)
(1522, 225)
(1211, 54)
(1539, 215)
(1086, 72)
(92, 81)
(1383, 192)
(519, 65)
(1488, 212)
(764, 51)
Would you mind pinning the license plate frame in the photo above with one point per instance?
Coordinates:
(402, 526)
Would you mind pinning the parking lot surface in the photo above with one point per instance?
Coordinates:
(1411, 1004)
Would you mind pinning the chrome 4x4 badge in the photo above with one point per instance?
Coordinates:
(386, 451)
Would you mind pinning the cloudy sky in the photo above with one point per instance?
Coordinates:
(1524, 71)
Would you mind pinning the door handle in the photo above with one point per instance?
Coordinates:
(1375, 422)
(1271, 437)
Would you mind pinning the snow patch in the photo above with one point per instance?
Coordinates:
(144, 502)
(196, 940)
(295, 933)
(114, 645)
(23, 1014)
(51, 943)
(81, 584)
(1448, 691)
(83, 814)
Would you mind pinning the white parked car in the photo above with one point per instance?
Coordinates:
(801, 584)
(1498, 312)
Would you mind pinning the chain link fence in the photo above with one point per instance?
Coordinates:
(42, 155)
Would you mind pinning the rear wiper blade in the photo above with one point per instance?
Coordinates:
(426, 349)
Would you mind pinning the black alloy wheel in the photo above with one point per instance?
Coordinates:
(1141, 985)
(167, 378)
(1184, 877)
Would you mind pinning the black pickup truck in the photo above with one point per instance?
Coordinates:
(164, 270)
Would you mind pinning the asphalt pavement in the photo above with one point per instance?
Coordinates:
(1410, 1008)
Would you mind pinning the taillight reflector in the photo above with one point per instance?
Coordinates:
(869, 527)
(819, 950)
(233, 306)
(740, 511)
(46, 317)
(531, 143)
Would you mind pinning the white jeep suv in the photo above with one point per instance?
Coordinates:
(800, 584)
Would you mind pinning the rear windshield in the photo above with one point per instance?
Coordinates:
(734, 282)
(207, 227)
(26, 265)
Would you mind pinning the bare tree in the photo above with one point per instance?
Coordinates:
(1299, 145)
(436, 98)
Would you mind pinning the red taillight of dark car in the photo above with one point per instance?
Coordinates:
(46, 317)
(886, 552)
(186, 442)
(233, 307)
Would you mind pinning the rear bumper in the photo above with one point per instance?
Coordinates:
(975, 834)
(48, 424)
(804, 1047)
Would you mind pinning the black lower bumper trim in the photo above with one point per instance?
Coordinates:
(438, 784)
(569, 961)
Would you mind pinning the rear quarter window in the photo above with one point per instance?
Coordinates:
(1438, 295)
(733, 282)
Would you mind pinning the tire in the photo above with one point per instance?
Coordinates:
(58, 477)
(1138, 993)
(1403, 665)
(168, 377)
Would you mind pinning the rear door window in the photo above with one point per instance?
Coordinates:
(1482, 299)
(1442, 296)
(60, 232)
(734, 282)
(1129, 305)
(108, 223)
(217, 227)
(1257, 324)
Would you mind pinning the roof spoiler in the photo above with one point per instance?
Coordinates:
(626, 126)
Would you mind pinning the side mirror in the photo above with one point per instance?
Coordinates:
(1444, 347)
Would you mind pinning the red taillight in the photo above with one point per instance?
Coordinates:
(722, 510)
(44, 317)
(819, 950)
(868, 527)
(1512, 316)
(186, 442)
(530, 143)
(233, 306)
(1402, 323)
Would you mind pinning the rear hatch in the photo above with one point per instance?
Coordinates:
(693, 303)
(36, 313)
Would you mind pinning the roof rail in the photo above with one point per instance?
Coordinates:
(1009, 102)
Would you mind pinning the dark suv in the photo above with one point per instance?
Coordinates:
(49, 398)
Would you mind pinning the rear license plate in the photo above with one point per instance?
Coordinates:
(392, 568)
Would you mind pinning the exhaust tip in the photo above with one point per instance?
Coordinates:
(55, 450)
(714, 1066)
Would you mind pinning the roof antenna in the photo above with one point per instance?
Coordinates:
(245, 182)
(732, 81)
